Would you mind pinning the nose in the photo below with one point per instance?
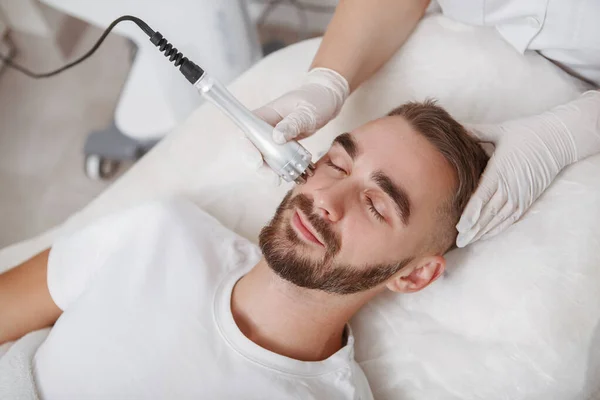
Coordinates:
(330, 201)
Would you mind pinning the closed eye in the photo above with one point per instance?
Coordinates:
(332, 165)
(370, 203)
(374, 210)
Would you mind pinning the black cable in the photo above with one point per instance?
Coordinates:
(35, 75)
(190, 70)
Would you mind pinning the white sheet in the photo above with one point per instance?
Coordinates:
(514, 317)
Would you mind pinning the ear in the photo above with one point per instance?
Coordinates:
(427, 270)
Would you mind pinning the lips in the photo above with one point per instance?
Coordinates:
(305, 229)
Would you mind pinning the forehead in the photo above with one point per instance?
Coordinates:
(391, 145)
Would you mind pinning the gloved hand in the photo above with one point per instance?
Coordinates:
(299, 113)
(529, 153)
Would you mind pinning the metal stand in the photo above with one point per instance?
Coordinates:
(104, 151)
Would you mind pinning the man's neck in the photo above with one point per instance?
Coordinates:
(303, 324)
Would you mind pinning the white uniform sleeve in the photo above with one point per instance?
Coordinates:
(75, 258)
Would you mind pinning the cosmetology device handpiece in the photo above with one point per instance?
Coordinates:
(291, 161)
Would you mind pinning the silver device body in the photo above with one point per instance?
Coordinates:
(290, 161)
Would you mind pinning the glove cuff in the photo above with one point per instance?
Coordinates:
(581, 120)
(333, 81)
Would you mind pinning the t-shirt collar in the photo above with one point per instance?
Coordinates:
(245, 347)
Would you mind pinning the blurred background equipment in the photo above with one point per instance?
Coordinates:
(219, 36)
(282, 22)
(54, 130)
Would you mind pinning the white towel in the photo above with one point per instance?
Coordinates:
(16, 368)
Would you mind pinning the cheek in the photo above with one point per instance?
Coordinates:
(364, 242)
(365, 245)
(321, 175)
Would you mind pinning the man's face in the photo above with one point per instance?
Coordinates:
(371, 208)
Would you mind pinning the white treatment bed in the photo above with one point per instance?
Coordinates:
(515, 317)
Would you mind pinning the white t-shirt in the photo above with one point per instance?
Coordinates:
(146, 300)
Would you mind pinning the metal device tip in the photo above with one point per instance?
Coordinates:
(303, 177)
(300, 180)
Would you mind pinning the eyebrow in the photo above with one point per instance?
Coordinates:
(396, 193)
(348, 143)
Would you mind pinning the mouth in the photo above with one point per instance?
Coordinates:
(304, 229)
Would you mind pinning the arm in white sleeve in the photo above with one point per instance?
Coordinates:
(77, 258)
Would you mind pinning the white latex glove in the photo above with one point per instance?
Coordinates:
(254, 160)
(529, 153)
(299, 113)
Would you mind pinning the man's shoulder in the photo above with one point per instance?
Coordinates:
(169, 208)
(186, 222)
(361, 384)
(176, 213)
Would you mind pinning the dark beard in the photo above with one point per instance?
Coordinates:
(281, 248)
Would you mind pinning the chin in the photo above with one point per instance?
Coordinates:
(286, 252)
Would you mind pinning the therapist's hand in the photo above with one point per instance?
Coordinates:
(298, 114)
(254, 160)
(301, 112)
(522, 166)
(529, 153)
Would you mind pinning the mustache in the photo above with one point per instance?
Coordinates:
(323, 228)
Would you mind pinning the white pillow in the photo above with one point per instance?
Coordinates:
(514, 317)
